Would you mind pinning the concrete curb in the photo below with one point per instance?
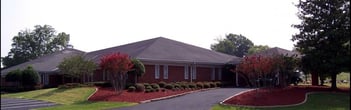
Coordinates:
(96, 89)
(272, 106)
(222, 102)
(172, 96)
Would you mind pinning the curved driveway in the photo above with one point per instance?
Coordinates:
(194, 101)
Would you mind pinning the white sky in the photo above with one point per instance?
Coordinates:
(98, 24)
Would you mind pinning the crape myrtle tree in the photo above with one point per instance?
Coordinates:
(116, 66)
(138, 69)
(257, 69)
(268, 71)
(29, 45)
(324, 36)
(77, 67)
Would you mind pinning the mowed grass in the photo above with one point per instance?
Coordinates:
(317, 101)
(61, 96)
(75, 98)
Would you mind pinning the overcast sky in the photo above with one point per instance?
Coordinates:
(99, 24)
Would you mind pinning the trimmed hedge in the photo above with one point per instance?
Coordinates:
(131, 89)
(162, 84)
(206, 85)
(199, 85)
(169, 86)
(139, 87)
(155, 86)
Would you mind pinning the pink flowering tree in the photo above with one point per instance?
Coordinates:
(116, 66)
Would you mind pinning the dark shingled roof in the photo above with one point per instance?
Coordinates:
(46, 63)
(275, 51)
(161, 49)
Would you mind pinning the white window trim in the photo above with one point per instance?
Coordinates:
(186, 72)
(193, 71)
(165, 71)
(157, 71)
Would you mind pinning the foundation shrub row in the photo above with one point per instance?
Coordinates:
(174, 86)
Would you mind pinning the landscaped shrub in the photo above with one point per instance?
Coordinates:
(184, 85)
(30, 78)
(212, 84)
(163, 90)
(169, 86)
(128, 85)
(139, 87)
(131, 89)
(146, 84)
(206, 85)
(149, 89)
(192, 85)
(218, 84)
(199, 85)
(176, 85)
(14, 75)
(155, 86)
(162, 84)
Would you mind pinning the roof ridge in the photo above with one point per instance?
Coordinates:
(158, 38)
(146, 48)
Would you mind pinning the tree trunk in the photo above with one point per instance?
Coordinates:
(314, 79)
(333, 79)
(136, 78)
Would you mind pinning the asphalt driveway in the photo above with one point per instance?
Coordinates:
(194, 101)
(23, 104)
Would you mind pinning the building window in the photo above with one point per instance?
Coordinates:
(165, 71)
(219, 74)
(186, 72)
(213, 74)
(193, 72)
(157, 71)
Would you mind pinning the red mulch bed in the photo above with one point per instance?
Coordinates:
(108, 94)
(279, 96)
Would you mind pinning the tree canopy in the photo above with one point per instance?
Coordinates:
(233, 44)
(77, 67)
(28, 45)
(138, 69)
(116, 66)
(257, 48)
(324, 37)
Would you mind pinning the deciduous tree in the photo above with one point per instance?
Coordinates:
(233, 44)
(77, 67)
(28, 45)
(324, 35)
(257, 48)
(138, 69)
(116, 66)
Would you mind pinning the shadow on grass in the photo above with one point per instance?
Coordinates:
(51, 93)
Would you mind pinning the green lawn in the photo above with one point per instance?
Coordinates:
(75, 98)
(318, 101)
